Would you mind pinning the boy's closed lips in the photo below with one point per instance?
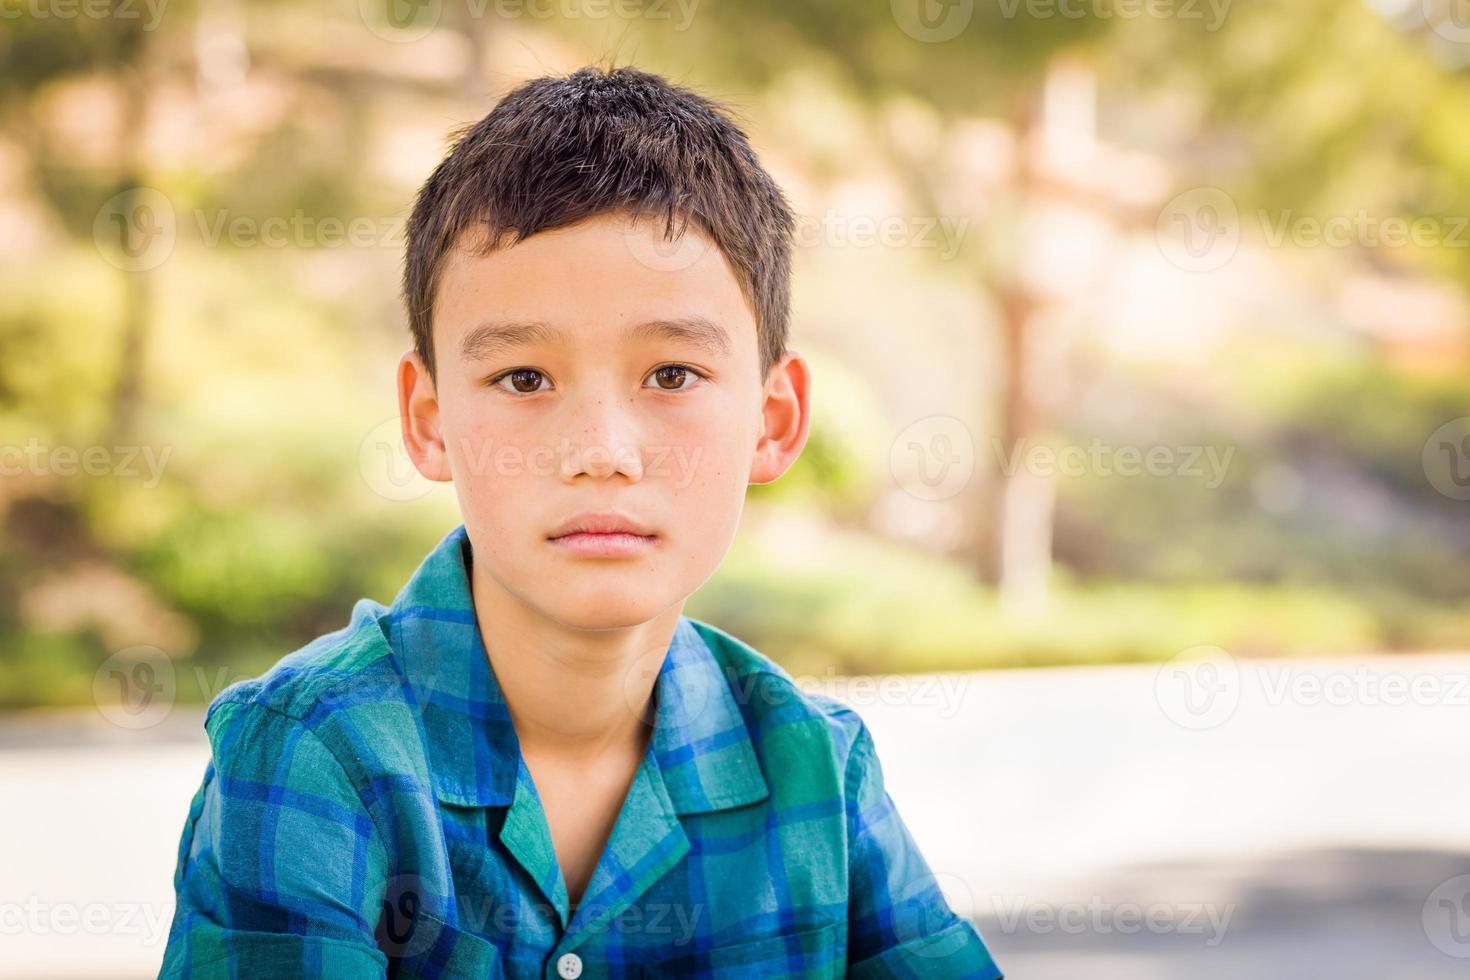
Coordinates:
(603, 534)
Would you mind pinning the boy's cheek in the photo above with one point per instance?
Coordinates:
(693, 465)
(483, 453)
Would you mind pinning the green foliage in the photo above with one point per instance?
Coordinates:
(262, 370)
(861, 606)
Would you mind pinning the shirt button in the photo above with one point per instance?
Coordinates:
(569, 966)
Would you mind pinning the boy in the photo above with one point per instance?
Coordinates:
(533, 764)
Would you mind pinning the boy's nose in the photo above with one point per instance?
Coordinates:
(603, 441)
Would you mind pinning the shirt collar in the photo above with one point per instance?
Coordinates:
(701, 742)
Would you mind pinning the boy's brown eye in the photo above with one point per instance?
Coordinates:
(525, 382)
(672, 373)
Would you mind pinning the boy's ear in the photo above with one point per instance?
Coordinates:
(418, 411)
(786, 418)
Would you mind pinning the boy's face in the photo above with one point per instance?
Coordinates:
(596, 368)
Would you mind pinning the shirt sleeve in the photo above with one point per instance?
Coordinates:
(279, 870)
(899, 922)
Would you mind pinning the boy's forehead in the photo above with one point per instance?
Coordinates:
(606, 272)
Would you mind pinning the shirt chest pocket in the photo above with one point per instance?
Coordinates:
(437, 949)
(807, 954)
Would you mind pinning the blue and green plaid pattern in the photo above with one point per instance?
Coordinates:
(367, 812)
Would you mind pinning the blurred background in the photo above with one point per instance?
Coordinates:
(1135, 517)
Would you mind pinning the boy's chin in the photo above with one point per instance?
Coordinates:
(605, 610)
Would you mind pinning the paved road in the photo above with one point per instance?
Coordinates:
(1209, 819)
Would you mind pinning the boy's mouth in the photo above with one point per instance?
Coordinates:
(604, 545)
(603, 534)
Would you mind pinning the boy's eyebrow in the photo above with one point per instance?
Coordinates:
(497, 337)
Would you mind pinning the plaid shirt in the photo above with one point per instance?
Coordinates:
(367, 812)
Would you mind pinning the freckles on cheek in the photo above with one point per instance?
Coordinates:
(692, 465)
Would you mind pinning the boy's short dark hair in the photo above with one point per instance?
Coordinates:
(556, 150)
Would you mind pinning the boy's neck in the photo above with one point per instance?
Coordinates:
(573, 694)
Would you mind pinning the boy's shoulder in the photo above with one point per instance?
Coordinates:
(770, 697)
(352, 663)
